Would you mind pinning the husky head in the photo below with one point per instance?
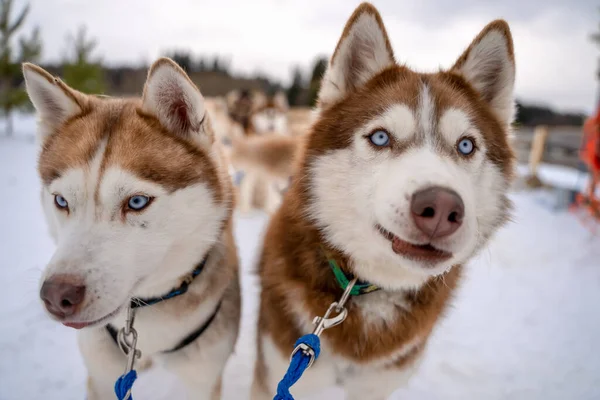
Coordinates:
(270, 115)
(407, 173)
(133, 191)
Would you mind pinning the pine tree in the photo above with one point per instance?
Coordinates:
(184, 59)
(81, 72)
(295, 89)
(12, 93)
(315, 80)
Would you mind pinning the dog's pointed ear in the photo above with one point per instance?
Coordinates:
(363, 50)
(280, 100)
(175, 101)
(54, 101)
(489, 65)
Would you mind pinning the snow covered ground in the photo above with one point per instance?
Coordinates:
(525, 323)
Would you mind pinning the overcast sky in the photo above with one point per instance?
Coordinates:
(556, 62)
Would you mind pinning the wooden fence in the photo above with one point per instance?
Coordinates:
(554, 145)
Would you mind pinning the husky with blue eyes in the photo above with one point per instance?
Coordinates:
(138, 199)
(403, 178)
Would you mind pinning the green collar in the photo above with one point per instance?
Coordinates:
(344, 279)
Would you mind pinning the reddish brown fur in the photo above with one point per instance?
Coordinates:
(274, 155)
(293, 271)
(133, 138)
(292, 263)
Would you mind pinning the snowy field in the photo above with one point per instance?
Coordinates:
(525, 323)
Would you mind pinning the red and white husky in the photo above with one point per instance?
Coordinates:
(138, 199)
(404, 178)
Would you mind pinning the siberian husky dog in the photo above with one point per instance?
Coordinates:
(270, 115)
(404, 178)
(263, 122)
(139, 203)
(258, 113)
(268, 163)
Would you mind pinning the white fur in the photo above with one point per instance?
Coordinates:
(270, 121)
(120, 258)
(373, 381)
(398, 120)
(454, 124)
(356, 188)
(486, 56)
(320, 376)
(366, 41)
(426, 113)
(120, 255)
(53, 105)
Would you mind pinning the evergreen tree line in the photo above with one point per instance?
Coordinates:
(84, 71)
(80, 69)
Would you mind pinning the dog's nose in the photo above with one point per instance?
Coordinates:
(62, 294)
(437, 212)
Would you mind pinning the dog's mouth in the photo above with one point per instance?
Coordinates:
(425, 253)
(81, 325)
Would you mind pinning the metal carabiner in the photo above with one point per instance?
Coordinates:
(325, 322)
(127, 340)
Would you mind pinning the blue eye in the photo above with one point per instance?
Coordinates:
(379, 138)
(138, 202)
(60, 201)
(466, 146)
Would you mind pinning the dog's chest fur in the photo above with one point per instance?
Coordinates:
(382, 328)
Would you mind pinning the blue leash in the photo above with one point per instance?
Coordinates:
(308, 347)
(307, 350)
(124, 384)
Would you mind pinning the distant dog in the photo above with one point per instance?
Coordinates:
(270, 115)
(138, 200)
(262, 121)
(257, 113)
(268, 163)
(403, 178)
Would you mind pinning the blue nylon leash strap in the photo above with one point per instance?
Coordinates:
(308, 347)
(299, 362)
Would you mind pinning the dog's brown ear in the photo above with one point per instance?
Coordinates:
(53, 100)
(489, 65)
(175, 101)
(363, 50)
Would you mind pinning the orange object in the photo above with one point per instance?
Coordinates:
(590, 153)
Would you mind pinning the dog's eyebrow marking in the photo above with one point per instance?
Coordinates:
(398, 119)
(426, 112)
(111, 126)
(453, 124)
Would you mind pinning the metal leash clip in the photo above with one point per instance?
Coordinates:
(127, 340)
(326, 322)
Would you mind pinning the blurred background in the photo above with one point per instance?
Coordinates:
(526, 322)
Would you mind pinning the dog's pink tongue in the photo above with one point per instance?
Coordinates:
(75, 325)
(399, 246)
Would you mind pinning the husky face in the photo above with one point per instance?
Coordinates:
(271, 116)
(132, 191)
(407, 173)
(269, 120)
